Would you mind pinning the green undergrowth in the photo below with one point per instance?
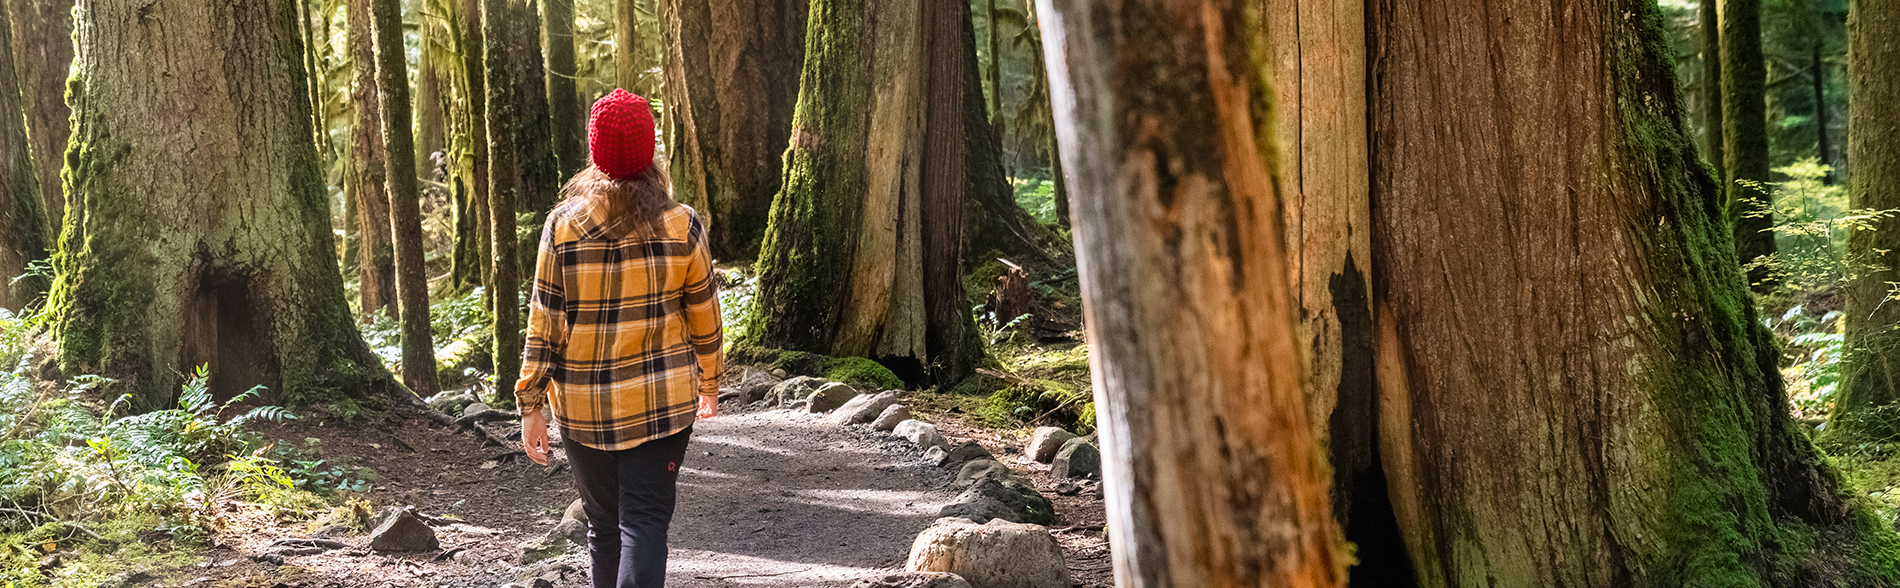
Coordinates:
(859, 372)
(1037, 387)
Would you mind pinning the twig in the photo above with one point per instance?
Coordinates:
(750, 575)
(45, 517)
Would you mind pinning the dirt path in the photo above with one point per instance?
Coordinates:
(767, 498)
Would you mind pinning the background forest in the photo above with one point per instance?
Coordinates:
(890, 208)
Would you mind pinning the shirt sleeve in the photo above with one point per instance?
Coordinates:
(547, 326)
(703, 326)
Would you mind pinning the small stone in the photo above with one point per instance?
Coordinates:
(576, 511)
(755, 385)
(921, 433)
(1068, 488)
(998, 554)
(574, 531)
(474, 409)
(934, 454)
(864, 408)
(913, 580)
(1079, 459)
(403, 531)
(830, 396)
(891, 416)
(1045, 442)
(961, 454)
(778, 372)
(784, 393)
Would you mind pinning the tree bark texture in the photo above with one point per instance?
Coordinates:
(405, 210)
(567, 123)
(22, 209)
(520, 165)
(1709, 28)
(732, 70)
(1745, 135)
(1213, 473)
(995, 225)
(627, 43)
(1870, 374)
(200, 233)
(368, 169)
(431, 116)
(42, 48)
(851, 250)
(1574, 386)
(468, 150)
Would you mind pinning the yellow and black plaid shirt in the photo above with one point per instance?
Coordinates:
(623, 333)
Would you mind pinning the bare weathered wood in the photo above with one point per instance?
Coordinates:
(1213, 473)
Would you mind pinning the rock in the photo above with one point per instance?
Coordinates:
(891, 416)
(755, 385)
(934, 454)
(830, 397)
(553, 544)
(961, 454)
(977, 468)
(574, 531)
(922, 433)
(452, 402)
(778, 373)
(992, 487)
(1068, 488)
(1078, 460)
(1045, 442)
(798, 388)
(125, 580)
(997, 554)
(546, 574)
(403, 531)
(474, 409)
(913, 580)
(864, 408)
(576, 511)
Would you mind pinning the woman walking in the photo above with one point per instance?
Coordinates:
(623, 342)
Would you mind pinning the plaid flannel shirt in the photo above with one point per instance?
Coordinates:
(623, 333)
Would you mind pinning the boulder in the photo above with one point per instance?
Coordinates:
(1078, 460)
(830, 396)
(891, 416)
(996, 554)
(919, 432)
(1045, 442)
(994, 493)
(452, 402)
(798, 388)
(864, 408)
(977, 468)
(474, 409)
(913, 580)
(955, 457)
(403, 531)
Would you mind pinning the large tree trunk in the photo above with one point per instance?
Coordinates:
(42, 47)
(469, 265)
(627, 43)
(996, 226)
(1745, 135)
(1870, 374)
(568, 126)
(848, 267)
(368, 170)
(732, 71)
(200, 233)
(520, 165)
(431, 116)
(1574, 389)
(1214, 476)
(405, 212)
(22, 210)
(1709, 28)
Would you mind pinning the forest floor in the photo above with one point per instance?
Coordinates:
(766, 498)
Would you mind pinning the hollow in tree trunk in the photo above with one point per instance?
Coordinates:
(1213, 474)
(1864, 405)
(732, 70)
(1574, 388)
(405, 210)
(201, 235)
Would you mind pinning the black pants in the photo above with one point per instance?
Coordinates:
(629, 496)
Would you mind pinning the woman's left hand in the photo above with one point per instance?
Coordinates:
(534, 436)
(708, 407)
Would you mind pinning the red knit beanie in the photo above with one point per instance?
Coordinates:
(620, 135)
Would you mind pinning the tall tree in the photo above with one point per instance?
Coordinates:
(367, 172)
(1709, 27)
(854, 252)
(468, 153)
(627, 43)
(520, 165)
(1870, 373)
(431, 116)
(200, 235)
(732, 77)
(569, 127)
(405, 211)
(42, 46)
(22, 210)
(1611, 412)
(1745, 135)
(1190, 307)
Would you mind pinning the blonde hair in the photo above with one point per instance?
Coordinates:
(630, 207)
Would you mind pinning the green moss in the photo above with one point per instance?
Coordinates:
(862, 373)
(859, 372)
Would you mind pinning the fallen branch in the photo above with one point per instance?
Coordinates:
(749, 575)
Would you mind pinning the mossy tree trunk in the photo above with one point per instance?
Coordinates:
(200, 233)
(431, 116)
(1213, 474)
(732, 71)
(1574, 388)
(468, 150)
(1709, 29)
(995, 225)
(1745, 135)
(43, 55)
(567, 124)
(22, 209)
(521, 173)
(367, 172)
(1870, 373)
(405, 211)
(853, 248)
